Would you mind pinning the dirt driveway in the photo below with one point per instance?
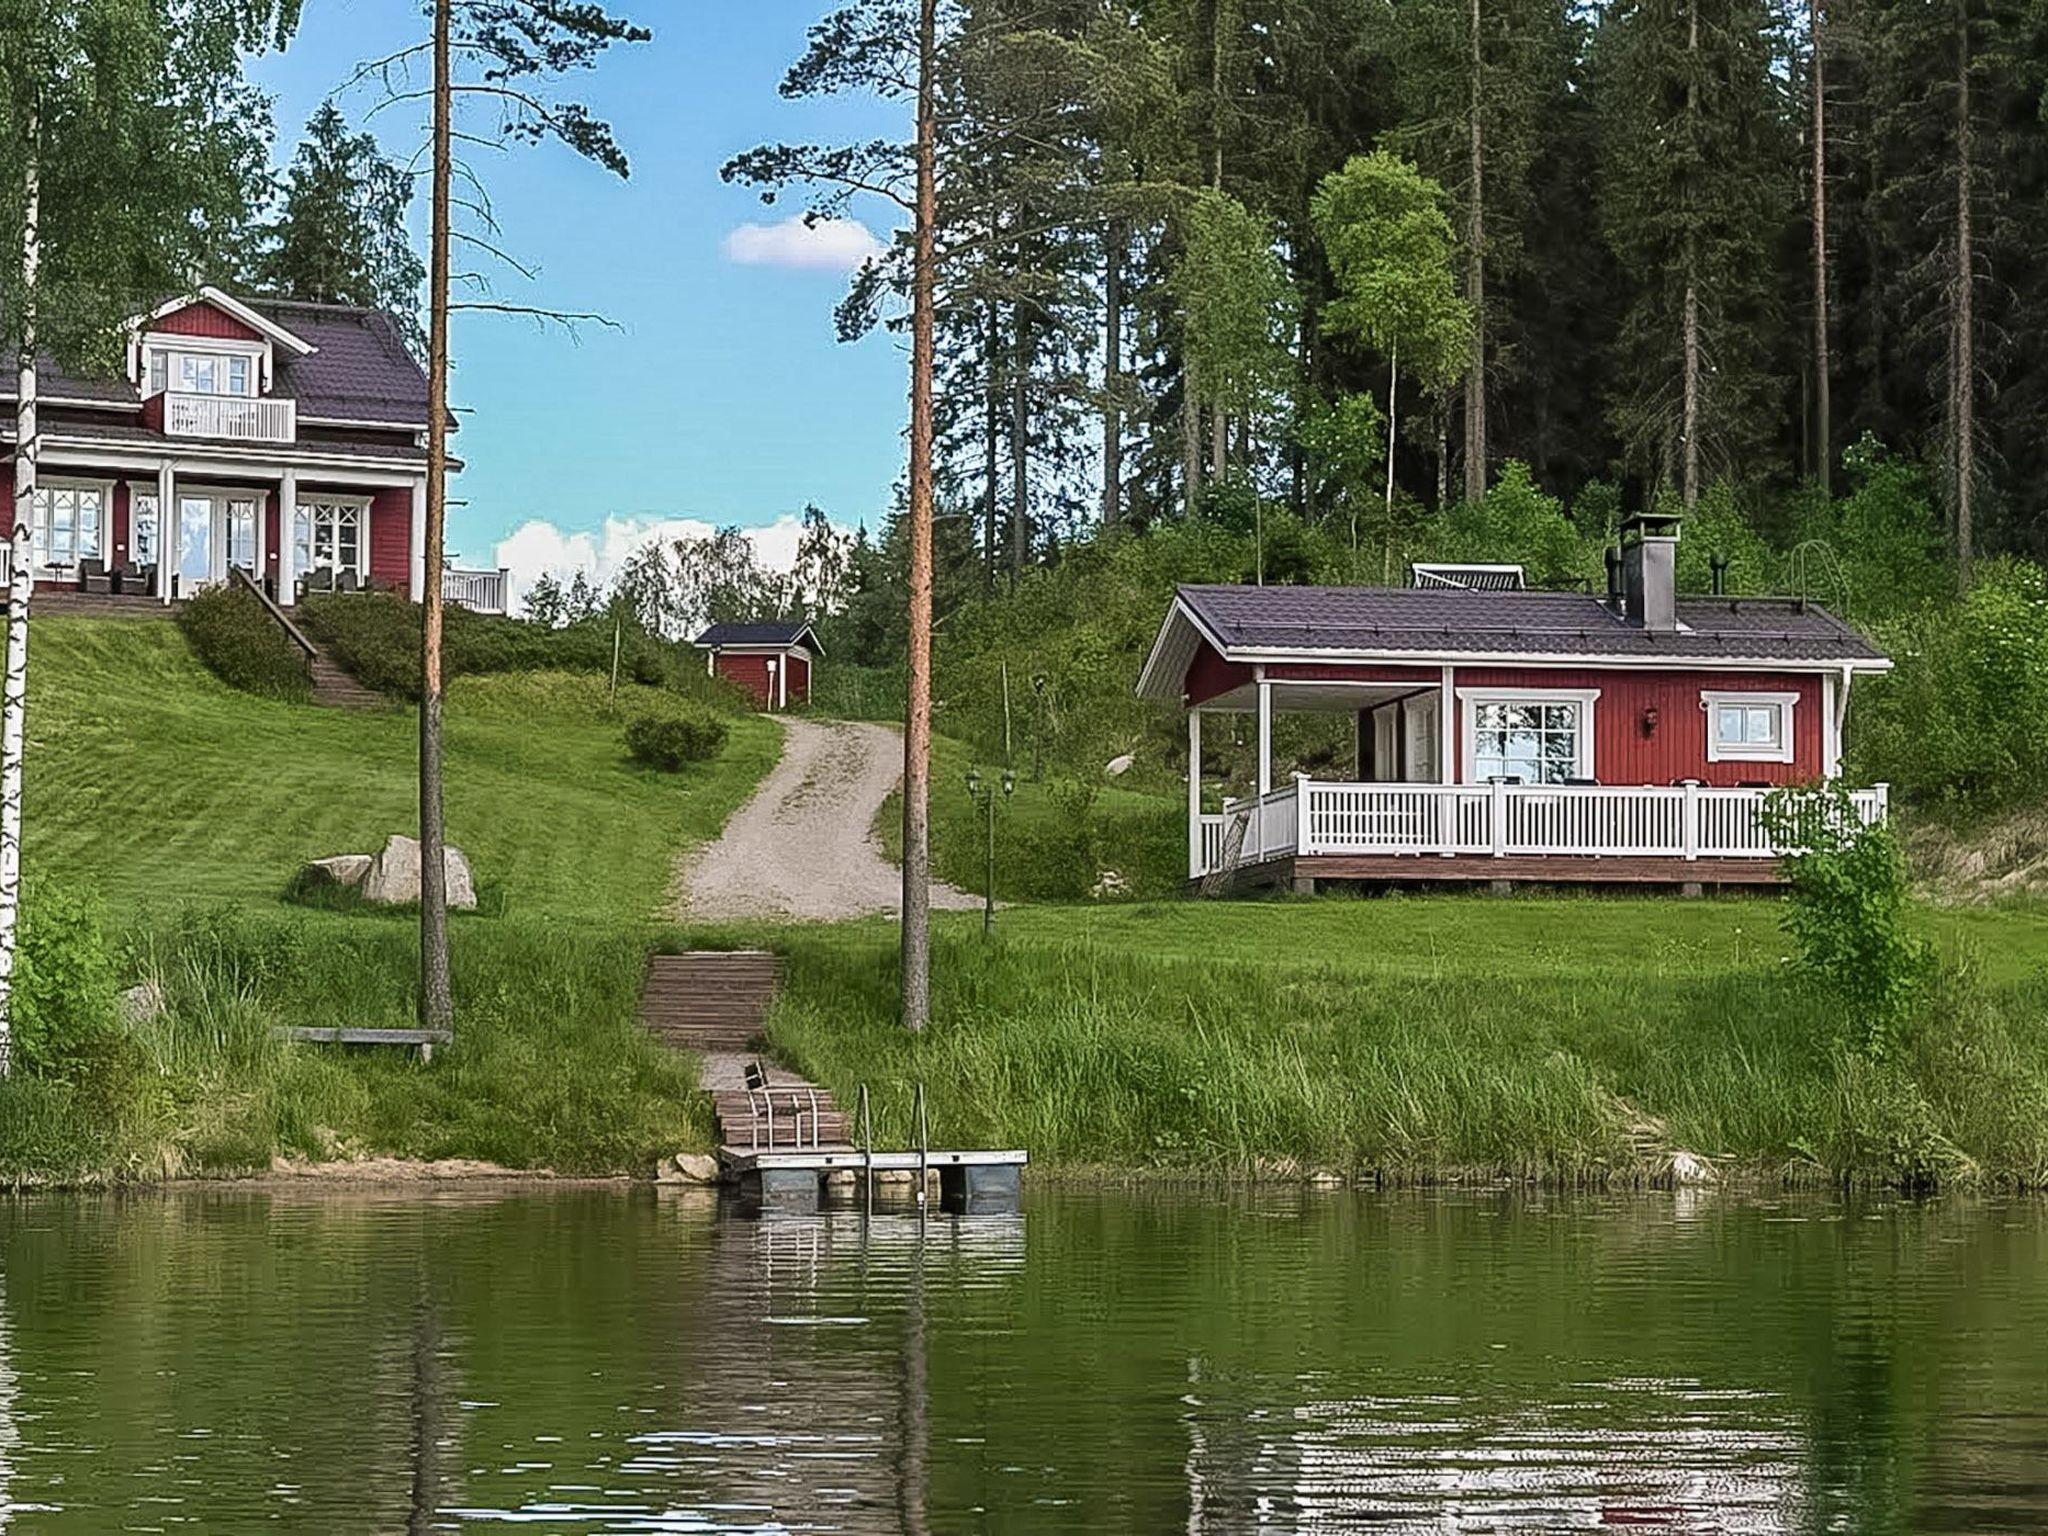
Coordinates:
(802, 847)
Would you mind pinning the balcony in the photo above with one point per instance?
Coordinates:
(230, 418)
(1688, 826)
(478, 591)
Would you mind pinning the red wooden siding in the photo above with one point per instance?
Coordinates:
(799, 664)
(7, 500)
(203, 319)
(748, 671)
(270, 535)
(391, 539)
(1209, 675)
(116, 541)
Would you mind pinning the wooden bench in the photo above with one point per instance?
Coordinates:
(423, 1039)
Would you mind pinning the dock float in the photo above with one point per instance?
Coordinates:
(798, 1179)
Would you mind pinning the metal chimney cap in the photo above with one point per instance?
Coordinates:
(1652, 525)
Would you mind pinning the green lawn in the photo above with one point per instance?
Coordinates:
(186, 806)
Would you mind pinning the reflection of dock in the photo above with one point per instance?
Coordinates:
(782, 1140)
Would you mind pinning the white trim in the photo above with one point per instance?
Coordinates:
(416, 538)
(1671, 663)
(1265, 735)
(1584, 760)
(287, 515)
(206, 293)
(40, 571)
(1713, 699)
(119, 455)
(379, 426)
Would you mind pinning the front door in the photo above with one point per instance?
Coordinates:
(214, 532)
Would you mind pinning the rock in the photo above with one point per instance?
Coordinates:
(393, 878)
(1327, 1178)
(142, 1003)
(1689, 1169)
(1117, 767)
(687, 1168)
(345, 871)
(1110, 885)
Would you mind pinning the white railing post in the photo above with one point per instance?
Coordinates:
(1301, 818)
(1445, 797)
(1497, 818)
(1196, 862)
(1883, 793)
(1689, 820)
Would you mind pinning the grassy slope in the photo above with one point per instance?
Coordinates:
(188, 805)
(1574, 1037)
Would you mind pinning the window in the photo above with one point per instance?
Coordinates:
(142, 526)
(69, 520)
(242, 534)
(1535, 736)
(1749, 727)
(200, 372)
(328, 535)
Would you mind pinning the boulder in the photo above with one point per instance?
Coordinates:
(142, 1003)
(393, 878)
(345, 871)
(687, 1168)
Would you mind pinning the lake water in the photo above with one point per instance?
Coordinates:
(1150, 1361)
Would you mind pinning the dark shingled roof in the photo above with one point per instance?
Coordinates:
(360, 370)
(1440, 621)
(759, 634)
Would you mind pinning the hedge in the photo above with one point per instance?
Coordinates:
(235, 635)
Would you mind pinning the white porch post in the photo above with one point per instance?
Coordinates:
(1834, 723)
(782, 682)
(1447, 729)
(417, 579)
(287, 545)
(1194, 793)
(167, 529)
(1265, 736)
(262, 571)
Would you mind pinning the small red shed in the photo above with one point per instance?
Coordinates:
(771, 661)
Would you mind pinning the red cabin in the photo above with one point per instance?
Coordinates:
(1502, 733)
(771, 661)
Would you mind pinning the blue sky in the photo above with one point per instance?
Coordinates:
(725, 397)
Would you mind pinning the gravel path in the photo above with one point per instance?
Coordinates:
(802, 847)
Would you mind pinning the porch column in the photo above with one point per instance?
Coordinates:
(1194, 793)
(418, 577)
(1834, 722)
(1447, 729)
(1265, 737)
(167, 529)
(262, 571)
(287, 545)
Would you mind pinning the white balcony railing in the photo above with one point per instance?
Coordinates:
(1688, 821)
(234, 418)
(482, 591)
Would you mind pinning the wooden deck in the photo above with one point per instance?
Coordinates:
(1306, 872)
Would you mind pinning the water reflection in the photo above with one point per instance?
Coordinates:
(593, 1362)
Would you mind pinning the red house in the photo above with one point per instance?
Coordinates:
(771, 661)
(283, 438)
(1502, 733)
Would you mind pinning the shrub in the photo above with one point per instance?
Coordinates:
(1848, 912)
(680, 733)
(63, 979)
(237, 638)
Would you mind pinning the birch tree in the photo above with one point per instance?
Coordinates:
(131, 154)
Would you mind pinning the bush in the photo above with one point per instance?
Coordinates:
(683, 732)
(234, 634)
(63, 979)
(1849, 908)
(376, 636)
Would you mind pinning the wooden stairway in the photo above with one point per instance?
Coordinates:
(335, 686)
(714, 1003)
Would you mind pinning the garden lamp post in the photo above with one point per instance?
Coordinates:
(983, 794)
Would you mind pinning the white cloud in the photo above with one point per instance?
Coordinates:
(823, 245)
(536, 547)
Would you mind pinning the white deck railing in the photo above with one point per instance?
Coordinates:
(236, 418)
(1688, 821)
(483, 591)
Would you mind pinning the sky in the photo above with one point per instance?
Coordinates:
(724, 396)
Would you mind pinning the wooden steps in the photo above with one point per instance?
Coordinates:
(336, 687)
(715, 1003)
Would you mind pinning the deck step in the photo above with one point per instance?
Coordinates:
(337, 687)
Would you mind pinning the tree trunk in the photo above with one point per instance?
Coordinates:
(992, 450)
(1823, 432)
(1689, 446)
(1393, 380)
(1963, 318)
(437, 1007)
(21, 582)
(1020, 445)
(1190, 436)
(1219, 442)
(1443, 454)
(1475, 293)
(1112, 376)
(917, 723)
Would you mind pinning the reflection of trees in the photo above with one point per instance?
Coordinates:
(10, 1434)
(427, 1401)
(916, 1412)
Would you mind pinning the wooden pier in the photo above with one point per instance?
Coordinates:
(784, 1144)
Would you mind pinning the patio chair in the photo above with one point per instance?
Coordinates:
(348, 581)
(136, 580)
(319, 579)
(93, 577)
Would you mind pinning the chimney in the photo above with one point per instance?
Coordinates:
(1649, 571)
(1718, 565)
(1613, 554)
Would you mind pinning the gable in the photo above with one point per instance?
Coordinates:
(201, 318)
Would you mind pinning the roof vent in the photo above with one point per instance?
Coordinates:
(1470, 578)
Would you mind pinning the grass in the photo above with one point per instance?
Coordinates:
(188, 806)
(1567, 1038)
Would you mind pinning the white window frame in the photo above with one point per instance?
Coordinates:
(1584, 700)
(106, 532)
(141, 490)
(309, 504)
(220, 527)
(171, 347)
(1714, 700)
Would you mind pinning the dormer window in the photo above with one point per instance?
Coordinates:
(209, 372)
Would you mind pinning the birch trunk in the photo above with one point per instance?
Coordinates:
(1689, 445)
(1393, 379)
(1963, 318)
(20, 584)
(1822, 406)
(436, 1004)
(917, 724)
(1475, 292)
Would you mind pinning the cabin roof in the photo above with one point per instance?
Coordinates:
(767, 634)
